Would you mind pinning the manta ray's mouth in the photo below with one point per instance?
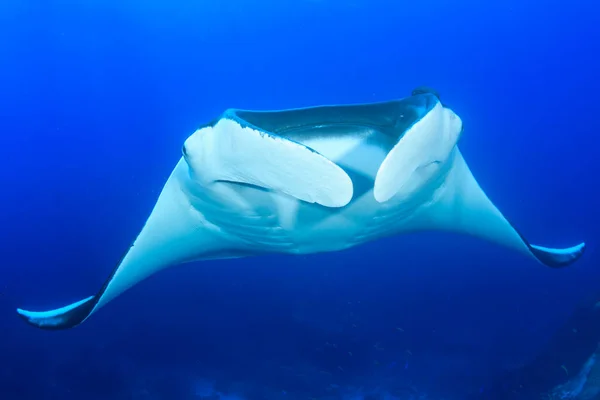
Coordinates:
(355, 137)
(387, 120)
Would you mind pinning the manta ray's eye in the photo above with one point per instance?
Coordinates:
(184, 151)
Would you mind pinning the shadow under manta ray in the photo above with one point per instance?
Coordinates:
(310, 180)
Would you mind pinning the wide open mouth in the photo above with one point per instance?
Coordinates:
(389, 120)
(356, 137)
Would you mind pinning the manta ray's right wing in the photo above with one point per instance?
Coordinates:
(463, 206)
(427, 165)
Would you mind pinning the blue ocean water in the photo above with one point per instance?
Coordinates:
(96, 100)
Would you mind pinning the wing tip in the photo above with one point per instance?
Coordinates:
(558, 258)
(60, 318)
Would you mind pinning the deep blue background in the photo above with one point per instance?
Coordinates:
(96, 100)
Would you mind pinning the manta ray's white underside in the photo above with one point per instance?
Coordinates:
(309, 180)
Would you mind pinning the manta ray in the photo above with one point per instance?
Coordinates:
(310, 180)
